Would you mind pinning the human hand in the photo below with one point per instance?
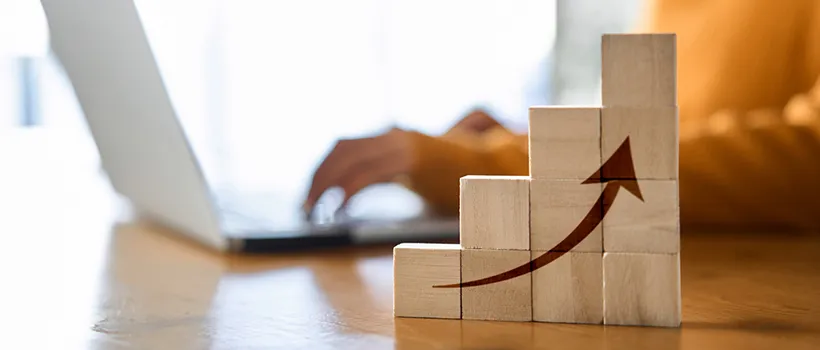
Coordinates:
(477, 121)
(355, 164)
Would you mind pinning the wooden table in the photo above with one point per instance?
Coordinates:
(74, 278)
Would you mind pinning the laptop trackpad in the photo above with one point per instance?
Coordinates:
(385, 202)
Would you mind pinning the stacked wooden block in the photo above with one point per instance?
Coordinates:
(594, 228)
(642, 237)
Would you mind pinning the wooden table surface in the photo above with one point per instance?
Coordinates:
(78, 275)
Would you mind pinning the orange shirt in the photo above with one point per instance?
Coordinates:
(749, 99)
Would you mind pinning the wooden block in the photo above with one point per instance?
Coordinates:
(559, 207)
(642, 289)
(495, 212)
(417, 267)
(569, 289)
(648, 226)
(565, 142)
(509, 300)
(653, 138)
(639, 70)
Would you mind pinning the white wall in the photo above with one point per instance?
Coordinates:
(578, 45)
(264, 87)
(9, 92)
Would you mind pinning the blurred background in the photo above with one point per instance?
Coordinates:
(264, 88)
(251, 77)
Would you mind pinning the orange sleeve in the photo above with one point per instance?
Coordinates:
(752, 60)
(750, 135)
(441, 160)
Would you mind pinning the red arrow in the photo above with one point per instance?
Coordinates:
(621, 173)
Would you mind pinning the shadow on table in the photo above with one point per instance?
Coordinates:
(450, 334)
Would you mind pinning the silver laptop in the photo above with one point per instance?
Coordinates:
(144, 151)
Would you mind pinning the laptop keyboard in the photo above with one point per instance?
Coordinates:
(237, 221)
(263, 213)
(240, 216)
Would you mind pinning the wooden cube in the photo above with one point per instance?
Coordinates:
(639, 70)
(557, 208)
(653, 138)
(495, 212)
(417, 267)
(565, 142)
(509, 300)
(648, 226)
(642, 289)
(569, 289)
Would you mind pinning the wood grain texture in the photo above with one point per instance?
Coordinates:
(557, 207)
(569, 290)
(125, 285)
(509, 300)
(495, 212)
(648, 226)
(416, 268)
(639, 70)
(653, 134)
(564, 142)
(642, 289)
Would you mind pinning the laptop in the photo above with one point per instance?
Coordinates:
(148, 159)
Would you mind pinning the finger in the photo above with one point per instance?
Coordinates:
(372, 172)
(349, 156)
(340, 162)
(355, 184)
(477, 121)
(480, 121)
(323, 176)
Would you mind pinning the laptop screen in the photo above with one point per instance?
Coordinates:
(263, 90)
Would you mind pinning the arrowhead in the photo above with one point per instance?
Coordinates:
(619, 167)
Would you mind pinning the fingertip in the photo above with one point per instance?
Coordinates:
(307, 207)
(341, 211)
(345, 200)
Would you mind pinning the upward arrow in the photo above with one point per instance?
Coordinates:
(621, 173)
(618, 169)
